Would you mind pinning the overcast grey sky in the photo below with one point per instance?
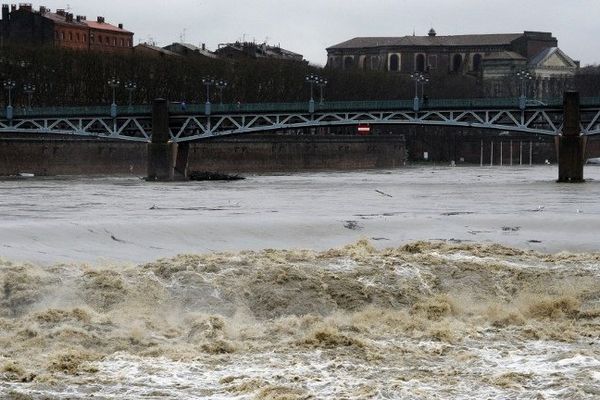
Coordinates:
(308, 27)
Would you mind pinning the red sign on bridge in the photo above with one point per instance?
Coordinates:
(364, 129)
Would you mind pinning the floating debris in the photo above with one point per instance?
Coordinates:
(213, 176)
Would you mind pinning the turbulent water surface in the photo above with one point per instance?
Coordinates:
(415, 283)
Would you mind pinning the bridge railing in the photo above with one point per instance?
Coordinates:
(67, 112)
(300, 107)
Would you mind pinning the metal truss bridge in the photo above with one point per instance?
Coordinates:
(197, 122)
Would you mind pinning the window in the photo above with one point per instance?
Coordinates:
(477, 62)
(122, 43)
(394, 62)
(374, 64)
(78, 37)
(114, 41)
(456, 63)
(420, 63)
(348, 62)
(56, 35)
(363, 62)
(62, 36)
(84, 39)
(100, 39)
(106, 40)
(432, 62)
(71, 36)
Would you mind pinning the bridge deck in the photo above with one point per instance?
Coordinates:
(369, 105)
(191, 122)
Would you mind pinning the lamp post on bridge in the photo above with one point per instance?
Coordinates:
(311, 79)
(114, 83)
(208, 82)
(29, 90)
(9, 85)
(424, 81)
(524, 76)
(221, 84)
(321, 83)
(130, 86)
(419, 78)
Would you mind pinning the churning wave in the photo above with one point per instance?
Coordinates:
(425, 320)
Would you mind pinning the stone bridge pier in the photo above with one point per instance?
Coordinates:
(167, 161)
(571, 145)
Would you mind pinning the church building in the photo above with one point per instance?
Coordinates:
(492, 58)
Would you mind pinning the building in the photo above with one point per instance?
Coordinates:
(152, 50)
(24, 25)
(252, 50)
(493, 58)
(189, 50)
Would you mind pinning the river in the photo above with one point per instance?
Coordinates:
(418, 283)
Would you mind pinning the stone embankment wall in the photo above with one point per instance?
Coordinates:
(271, 153)
(256, 153)
(70, 157)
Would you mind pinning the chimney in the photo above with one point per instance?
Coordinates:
(69, 17)
(13, 8)
(78, 18)
(43, 10)
(5, 12)
(120, 26)
(203, 46)
(25, 7)
(100, 20)
(60, 12)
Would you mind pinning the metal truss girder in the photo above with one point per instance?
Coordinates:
(541, 120)
(591, 127)
(120, 128)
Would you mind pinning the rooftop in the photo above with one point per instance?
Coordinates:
(498, 39)
(63, 17)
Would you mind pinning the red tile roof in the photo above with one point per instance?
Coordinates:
(104, 26)
(82, 23)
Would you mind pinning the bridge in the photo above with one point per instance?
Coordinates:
(174, 124)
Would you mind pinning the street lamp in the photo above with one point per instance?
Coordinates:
(311, 79)
(114, 83)
(29, 90)
(424, 81)
(208, 82)
(525, 77)
(221, 84)
(130, 86)
(321, 83)
(419, 78)
(9, 85)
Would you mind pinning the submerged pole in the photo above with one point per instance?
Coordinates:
(481, 155)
